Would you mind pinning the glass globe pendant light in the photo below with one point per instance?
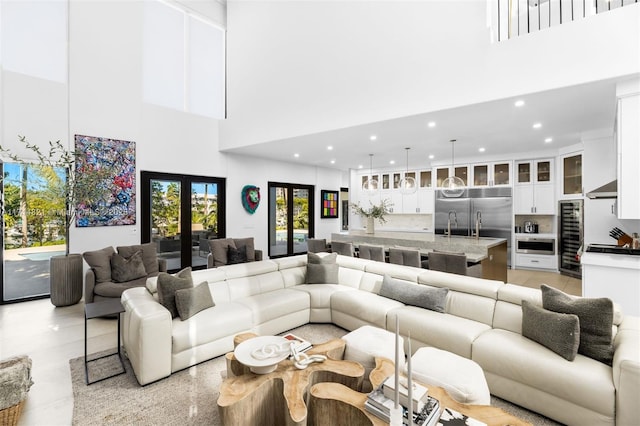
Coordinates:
(452, 186)
(408, 183)
(370, 186)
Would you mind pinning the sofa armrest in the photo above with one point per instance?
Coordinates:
(89, 285)
(626, 371)
(147, 335)
(162, 265)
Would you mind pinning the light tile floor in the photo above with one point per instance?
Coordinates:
(52, 336)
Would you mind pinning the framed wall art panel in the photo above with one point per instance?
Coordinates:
(330, 201)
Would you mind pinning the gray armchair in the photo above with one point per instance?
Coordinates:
(455, 263)
(220, 248)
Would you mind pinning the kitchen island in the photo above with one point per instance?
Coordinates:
(490, 252)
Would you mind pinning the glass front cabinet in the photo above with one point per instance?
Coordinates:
(491, 174)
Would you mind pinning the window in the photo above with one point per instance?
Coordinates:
(183, 61)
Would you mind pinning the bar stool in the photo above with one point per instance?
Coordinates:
(371, 252)
(407, 257)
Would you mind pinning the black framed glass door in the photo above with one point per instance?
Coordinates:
(291, 213)
(180, 213)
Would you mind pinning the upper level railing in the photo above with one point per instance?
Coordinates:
(518, 17)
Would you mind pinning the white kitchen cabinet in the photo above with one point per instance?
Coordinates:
(572, 175)
(537, 261)
(614, 276)
(426, 201)
(534, 191)
(491, 174)
(459, 170)
(628, 147)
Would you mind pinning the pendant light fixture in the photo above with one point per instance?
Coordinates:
(452, 186)
(370, 186)
(408, 183)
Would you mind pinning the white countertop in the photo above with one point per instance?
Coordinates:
(626, 261)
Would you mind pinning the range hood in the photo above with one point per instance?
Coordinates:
(610, 190)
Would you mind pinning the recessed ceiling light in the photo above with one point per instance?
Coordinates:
(548, 140)
(373, 137)
(333, 161)
(392, 162)
(537, 125)
(431, 156)
(359, 166)
(519, 103)
(330, 148)
(296, 155)
(431, 124)
(480, 149)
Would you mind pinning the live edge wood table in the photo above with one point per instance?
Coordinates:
(278, 398)
(335, 401)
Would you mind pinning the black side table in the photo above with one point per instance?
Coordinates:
(96, 310)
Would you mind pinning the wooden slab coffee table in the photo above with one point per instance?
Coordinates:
(278, 397)
(334, 401)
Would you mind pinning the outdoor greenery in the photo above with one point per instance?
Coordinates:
(47, 210)
(375, 211)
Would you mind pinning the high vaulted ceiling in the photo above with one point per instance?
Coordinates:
(566, 115)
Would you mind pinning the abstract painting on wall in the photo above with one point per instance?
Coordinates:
(329, 204)
(114, 202)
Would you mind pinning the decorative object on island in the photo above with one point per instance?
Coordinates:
(78, 187)
(408, 183)
(452, 186)
(112, 202)
(370, 186)
(374, 212)
(250, 198)
(329, 204)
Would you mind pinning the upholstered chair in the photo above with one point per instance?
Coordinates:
(404, 256)
(454, 263)
(317, 245)
(225, 251)
(371, 252)
(345, 249)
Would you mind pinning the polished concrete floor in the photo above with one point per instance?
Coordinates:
(52, 336)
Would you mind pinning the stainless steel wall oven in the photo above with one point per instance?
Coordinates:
(535, 245)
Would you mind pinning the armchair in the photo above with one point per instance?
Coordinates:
(220, 248)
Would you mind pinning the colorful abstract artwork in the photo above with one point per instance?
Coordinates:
(329, 204)
(115, 201)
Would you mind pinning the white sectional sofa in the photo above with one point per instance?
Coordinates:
(482, 321)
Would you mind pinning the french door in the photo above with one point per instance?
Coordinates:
(180, 213)
(290, 218)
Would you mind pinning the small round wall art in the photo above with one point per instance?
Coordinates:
(250, 198)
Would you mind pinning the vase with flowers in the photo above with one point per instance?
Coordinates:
(374, 212)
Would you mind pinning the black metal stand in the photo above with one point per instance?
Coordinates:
(96, 310)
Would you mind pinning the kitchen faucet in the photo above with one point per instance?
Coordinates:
(455, 220)
(478, 223)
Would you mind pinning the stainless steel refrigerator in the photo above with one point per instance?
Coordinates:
(492, 206)
(570, 236)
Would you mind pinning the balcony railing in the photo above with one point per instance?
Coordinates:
(518, 17)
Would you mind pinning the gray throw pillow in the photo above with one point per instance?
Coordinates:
(596, 321)
(219, 249)
(124, 270)
(555, 331)
(149, 256)
(100, 262)
(190, 301)
(247, 243)
(235, 256)
(169, 284)
(322, 269)
(432, 298)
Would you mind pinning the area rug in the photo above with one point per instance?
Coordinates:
(187, 397)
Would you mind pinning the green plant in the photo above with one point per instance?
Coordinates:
(79, 187)
(375, 211)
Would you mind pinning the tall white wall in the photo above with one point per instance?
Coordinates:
(301, 67)
(105, 99)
